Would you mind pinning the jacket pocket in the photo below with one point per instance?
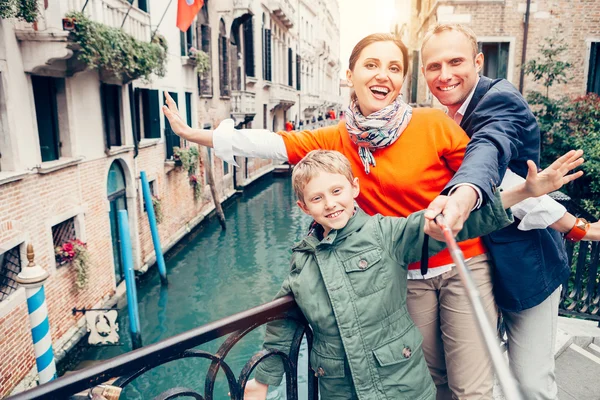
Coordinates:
(399, 350)
(366, 272)
(402, 369)
(327, 367)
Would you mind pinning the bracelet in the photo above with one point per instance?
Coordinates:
(578, 231)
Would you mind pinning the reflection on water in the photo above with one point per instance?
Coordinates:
(213, 274)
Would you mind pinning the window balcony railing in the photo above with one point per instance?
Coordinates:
(243, 102)
(127, 367)
(114, 13)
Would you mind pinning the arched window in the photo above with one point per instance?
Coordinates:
(224, 61)
(115, 191)
(205, 87)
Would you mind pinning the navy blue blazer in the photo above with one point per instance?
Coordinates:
(529, 265)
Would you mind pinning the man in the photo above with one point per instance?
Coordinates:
(529, 265)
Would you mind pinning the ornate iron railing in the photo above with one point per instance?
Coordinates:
(127, 367)
(580, 296)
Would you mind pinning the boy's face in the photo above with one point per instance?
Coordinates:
(329, 199)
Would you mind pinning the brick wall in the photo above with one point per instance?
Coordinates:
(578, 19)
(27, 209)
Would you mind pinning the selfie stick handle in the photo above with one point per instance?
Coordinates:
(507, 381)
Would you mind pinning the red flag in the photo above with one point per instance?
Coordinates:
(186, 12)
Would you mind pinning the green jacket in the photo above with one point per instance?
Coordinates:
(351, 287)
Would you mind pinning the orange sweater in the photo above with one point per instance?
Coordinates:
(409, 174)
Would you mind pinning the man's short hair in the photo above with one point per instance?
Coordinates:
(318, 161)
(439, 28)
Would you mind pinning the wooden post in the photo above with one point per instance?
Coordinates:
(210, 178)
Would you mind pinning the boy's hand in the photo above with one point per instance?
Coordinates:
(177, 123)
(553, 177)
(255, 390)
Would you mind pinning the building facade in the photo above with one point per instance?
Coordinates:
(73, 139)
(500, 26)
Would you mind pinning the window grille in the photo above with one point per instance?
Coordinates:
(10, 266)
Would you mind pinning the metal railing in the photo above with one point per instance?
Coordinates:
(580, 296)
(129, 366)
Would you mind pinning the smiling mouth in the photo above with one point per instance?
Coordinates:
(380, 92)
(335, 214)
(447, 88)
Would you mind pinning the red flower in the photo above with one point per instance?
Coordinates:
(68, 247)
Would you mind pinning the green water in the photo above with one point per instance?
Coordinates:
(213, 274)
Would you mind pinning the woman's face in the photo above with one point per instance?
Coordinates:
(377, 76)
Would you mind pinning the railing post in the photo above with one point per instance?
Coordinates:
(32, 278)
(132, 302)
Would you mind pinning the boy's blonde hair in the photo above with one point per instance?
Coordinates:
(439, 28)
(317, 161)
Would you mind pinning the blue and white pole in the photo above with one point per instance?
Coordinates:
(32, 278)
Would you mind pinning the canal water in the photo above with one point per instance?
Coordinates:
(213, 274)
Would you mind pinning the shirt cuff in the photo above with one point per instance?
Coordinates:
(223, 143)
(479, 194)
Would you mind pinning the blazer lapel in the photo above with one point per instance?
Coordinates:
(482, 88)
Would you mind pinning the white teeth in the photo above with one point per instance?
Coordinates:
(381, 89)
(445, 89)
(335, 214)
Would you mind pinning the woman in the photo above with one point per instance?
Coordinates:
(403, 159)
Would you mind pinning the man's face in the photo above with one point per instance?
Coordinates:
(329, 199)
(450, 68)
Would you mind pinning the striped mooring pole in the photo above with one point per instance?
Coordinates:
(32, 278)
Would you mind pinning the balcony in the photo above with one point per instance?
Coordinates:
(243, 106)
(309, 102)
(282, 96)
(45, 46)
(283, 11)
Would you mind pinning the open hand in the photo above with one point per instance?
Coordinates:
(255, 390)
(178, 125)
(555, 176)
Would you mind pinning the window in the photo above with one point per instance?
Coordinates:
(188, 108)
(264, 116)
(414, 81)
(266, 50)
(10, 266)
(495, 59)
(223, 61)
(249, 48)
(298, 71)
(150, 102)
(111, 112)
(593, 83)
(290, 67)
(63, 232)
(171, 139)
(186, 40)
(225, 168)
(203, 32)
(46, 112)
(141, 4)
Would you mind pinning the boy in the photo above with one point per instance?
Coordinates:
(348, 277)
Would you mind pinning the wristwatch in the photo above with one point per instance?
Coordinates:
(578, 230)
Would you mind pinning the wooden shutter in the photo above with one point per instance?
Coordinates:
(46, 112)
(151, 111)
(249, 48)
(134, 109)
(224, 66)
(593, 82)
(171, 139)
(268, 55)
(206, 87)
(298, 71)
(290, 67)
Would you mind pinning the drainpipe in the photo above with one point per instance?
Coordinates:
(524, 51)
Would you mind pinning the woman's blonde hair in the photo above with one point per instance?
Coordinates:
(318, 161)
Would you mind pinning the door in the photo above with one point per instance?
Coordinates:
(118, 201)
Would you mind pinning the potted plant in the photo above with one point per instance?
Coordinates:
(75, 253)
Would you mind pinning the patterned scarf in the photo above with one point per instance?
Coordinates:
(378, 130)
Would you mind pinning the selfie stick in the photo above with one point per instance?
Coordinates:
(507, 382)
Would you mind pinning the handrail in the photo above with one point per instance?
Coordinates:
(132, 364)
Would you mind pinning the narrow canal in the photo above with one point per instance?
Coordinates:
(212, 274)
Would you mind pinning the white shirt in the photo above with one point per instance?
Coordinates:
(463, 108)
